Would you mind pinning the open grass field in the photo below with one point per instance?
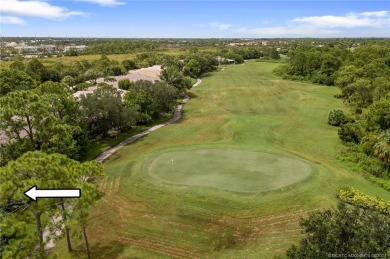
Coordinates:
(69, 60)
(253, 153)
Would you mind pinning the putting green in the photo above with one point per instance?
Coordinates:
(232, 170)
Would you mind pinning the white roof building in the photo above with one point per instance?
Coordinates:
(78, 48)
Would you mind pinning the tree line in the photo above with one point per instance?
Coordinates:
(363, 75)
(38, 110)
(360, 223)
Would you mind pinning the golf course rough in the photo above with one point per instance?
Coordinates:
(228, 169)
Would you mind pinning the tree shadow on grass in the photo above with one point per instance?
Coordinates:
(206, 75)
(107, 251)
(192, 95)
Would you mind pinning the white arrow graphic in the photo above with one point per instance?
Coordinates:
(35, 193)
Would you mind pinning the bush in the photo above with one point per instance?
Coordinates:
(116, 70)
(237, 58)
(82, 86)
(103, 85)
(281, 70)
(129, 64)
(109, 79)
(342, 230)
(359, 161)
(125, 84)
(354, 197)
(368, 142)
(351, 132)
(337, 118)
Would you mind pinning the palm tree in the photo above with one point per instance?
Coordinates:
(382, 148)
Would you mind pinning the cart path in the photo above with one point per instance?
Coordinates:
(50, 242)
(176, 116)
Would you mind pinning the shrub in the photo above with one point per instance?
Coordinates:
(281, 70)
(343, 230)
(125, 84)
(129, 64)
(351, 132)
(109, 79)
(116, 70)
(354, 197)
(359, 161)
(82, 86)
(103, 85)
(337, 118)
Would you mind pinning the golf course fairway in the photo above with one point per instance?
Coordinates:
(231, 170)
(252, 154)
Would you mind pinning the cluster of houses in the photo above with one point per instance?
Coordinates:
(32, 50)
(258, 43)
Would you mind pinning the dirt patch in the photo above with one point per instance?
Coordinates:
(150, 74)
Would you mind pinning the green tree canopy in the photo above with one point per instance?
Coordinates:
(33, 120)
(193, 68)
(13, 79)
(103, 110)
(174, 77)
(342, 230)
(36, 70)
(46, 171)
(92, 74)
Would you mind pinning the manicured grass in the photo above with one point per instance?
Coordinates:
(230, 169)
(244, 107)
(96, 147)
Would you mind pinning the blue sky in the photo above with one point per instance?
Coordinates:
(194, 19)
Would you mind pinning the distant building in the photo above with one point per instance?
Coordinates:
(11, 44)
(34, 49)
(222, 60)
(230, 61)
(48, 48)
(78, 48)
(30, 49)
(30, 56)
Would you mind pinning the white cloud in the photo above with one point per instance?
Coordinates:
(378, 13)
(104, 2)
(323, 26)
(36, 9)
(369, 19)
(220, 26)
(11, 20)
(288, 31)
